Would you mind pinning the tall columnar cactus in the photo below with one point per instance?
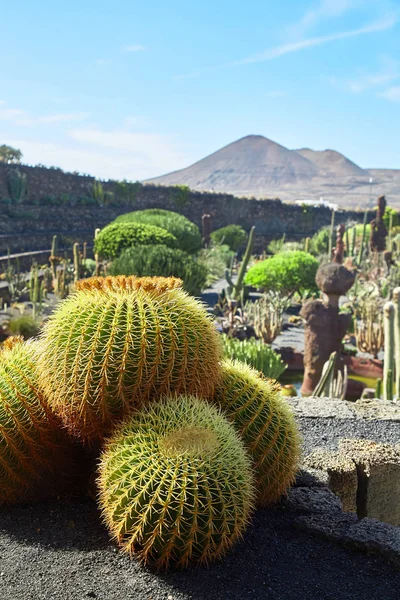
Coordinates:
(388, 361)
(77, 262)
(396, 302)
(236, 288)
(176, 484)
(33, 454)
(96, 256)
(331, 234)
(266, 425)
(363, 242)
(118, 341)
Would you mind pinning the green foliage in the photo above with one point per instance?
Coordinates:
(255, 353)
(25, 325)
(179, 194)
(117, 342)
(319, 243)
(187, 233)
(10, 155)
(176, 484)
(216, 259)
(117, 237)
(266, 424)
(391, 214)
(233, 236)
(288, 273)
(162, 261)
(127, 191)
(31, 451)
(17, 185)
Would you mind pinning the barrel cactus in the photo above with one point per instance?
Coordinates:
(119, 341)
(33, 453)
(176, 484)
(266, 424)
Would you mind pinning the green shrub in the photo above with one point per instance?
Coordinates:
(161, 261)
(187, 233)
(288, 273)
(319, 243)
(117, 237)
(215, 259)
(255, 353)
(233, 236)
(26, 326)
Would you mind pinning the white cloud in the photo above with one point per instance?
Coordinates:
(325, 9)
(389, 71)
(9, 114)
(103, 61)
(53, 118)
(270, 54)
(392, 94)
(133, 48)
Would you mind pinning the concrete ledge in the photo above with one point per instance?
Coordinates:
(342, 409)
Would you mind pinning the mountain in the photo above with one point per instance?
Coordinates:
(332, 162)
(256, 166)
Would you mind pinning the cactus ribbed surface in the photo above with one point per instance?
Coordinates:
(118, 341)
(266, 424)
(176, 484)
(32, 451)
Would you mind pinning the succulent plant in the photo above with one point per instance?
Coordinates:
(176, 483)
(33, 453)
(266, 424)
(118, 341)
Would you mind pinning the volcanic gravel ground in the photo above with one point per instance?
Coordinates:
(326, 432)
(59, 550)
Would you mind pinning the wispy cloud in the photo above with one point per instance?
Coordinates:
(133, 48)
(392, 94)
(53, 118)
(325, 9)
(103, 61)
(390, 71)
(9, 114)
(271, 53)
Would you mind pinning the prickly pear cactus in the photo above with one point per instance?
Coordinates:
(33, 453)
(267, 426)
(117, 342)
(176, 484)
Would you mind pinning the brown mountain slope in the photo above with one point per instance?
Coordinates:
(251, 162)
(332, 163)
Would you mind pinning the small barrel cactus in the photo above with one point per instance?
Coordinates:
(266, 424)
(118, 341)
(176, 484)
(33, 453)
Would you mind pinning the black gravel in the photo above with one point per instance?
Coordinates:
(326, 432)
(59, 550)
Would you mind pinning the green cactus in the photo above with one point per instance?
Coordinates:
(331, 234)
(17, 185)
(307, 244)
(96, 255)
(353, 241)
(363, 242)
(255, 353)
(388, 361)
(236, 290)
(266, 424)
(118, 341)
(77, 262)
(32, 451)
(347, 250)
(378, 389)
(396, 302)
(176, 484)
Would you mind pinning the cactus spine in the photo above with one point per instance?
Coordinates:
(176, 484)
(237, 287)
(32, 451)
(118, 341)
(396, 301)
(266, 425)
(388, 362)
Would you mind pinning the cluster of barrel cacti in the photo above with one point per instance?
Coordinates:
(187, 444)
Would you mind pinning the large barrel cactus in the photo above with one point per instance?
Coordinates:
(33, 453)
(266, 424)
(118, 341)
(175, 483)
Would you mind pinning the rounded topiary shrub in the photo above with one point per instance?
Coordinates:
(117, 237)
(187, 233)
(176, 484)
(286, 272)
(161, 261)
(233, 236)
(117, 342)
(266, 425)
(34, 455)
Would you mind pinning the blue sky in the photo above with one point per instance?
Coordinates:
(129, 89)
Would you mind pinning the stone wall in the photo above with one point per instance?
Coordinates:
(68, 204)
